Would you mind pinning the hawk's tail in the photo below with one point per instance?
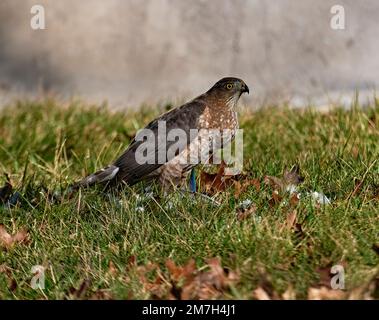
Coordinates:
(102, 176)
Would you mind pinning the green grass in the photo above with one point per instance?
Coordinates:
(46, 146)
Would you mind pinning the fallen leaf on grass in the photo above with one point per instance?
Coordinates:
(260, 294)
(265, 289)
(294, 200)
(81, 291)
(12, 283)
(291, 220)
(214, 183)
(132, 261)
(325, 293)
(177, 273)
(102, 294)
(213, 283)
(275, 199)
(241, 187)
(246, 212)
(157, 288)
(325, 276)
(112, 270)
(200, 285)
(289, 294)
(7, 241)
(367, 291)
(217, 275)
(187, 282)
(219, 182)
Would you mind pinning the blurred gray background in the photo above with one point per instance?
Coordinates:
(128, 52)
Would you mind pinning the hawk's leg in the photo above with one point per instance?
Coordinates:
(192, 182)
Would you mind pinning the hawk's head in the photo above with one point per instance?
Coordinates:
(229, 89)
(231, 85)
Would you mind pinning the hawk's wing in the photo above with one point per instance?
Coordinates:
(185, 117)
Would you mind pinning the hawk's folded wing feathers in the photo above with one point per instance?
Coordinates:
(185, 117)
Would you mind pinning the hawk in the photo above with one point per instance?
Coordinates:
(213, 111)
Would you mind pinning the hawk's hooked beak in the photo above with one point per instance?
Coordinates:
(245, 88)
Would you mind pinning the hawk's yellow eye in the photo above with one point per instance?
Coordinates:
(229, 86)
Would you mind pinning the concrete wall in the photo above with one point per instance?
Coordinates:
(132, 51)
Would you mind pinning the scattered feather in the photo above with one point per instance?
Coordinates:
(320, 198)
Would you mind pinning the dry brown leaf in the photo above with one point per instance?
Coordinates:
(291, 220)
(243, 214)
(237, 189)
(355, 152)
(219, 182)
(360, 293)
(4, 268)
(289, 294)
(7, 241)
(81, 291)
(208, 284)
(186, 282)
(294, 200)
(158, 288)
(260, 294)
(12, 283)
(181, 273)
(212, 283)
(274, 182)
(324, 293)
(367, 291)
(102, 294)
(275, 199)
(214, 183)
(112, 270)
(216, 273)
(325, 276)
(241, 186)
(132, 261)
(256, 183)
